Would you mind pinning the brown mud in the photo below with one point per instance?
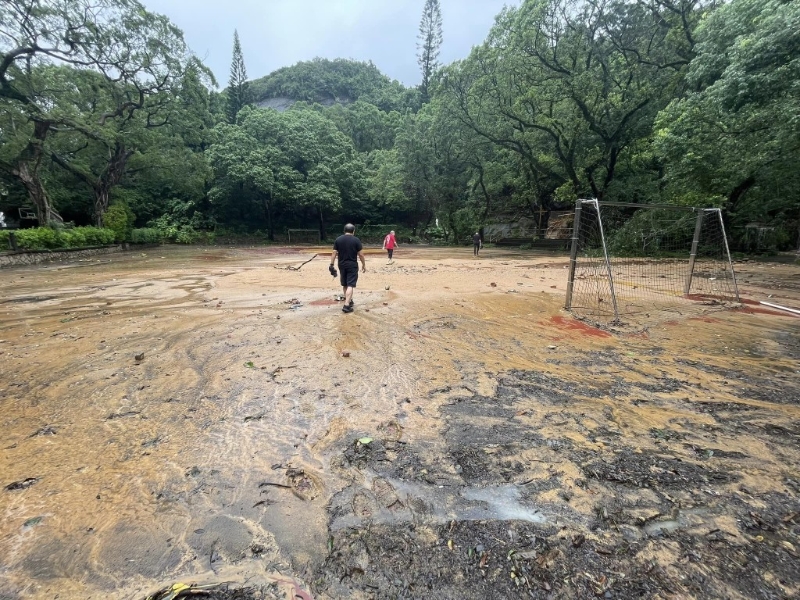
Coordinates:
(208, 415)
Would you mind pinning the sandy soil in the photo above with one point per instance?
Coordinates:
(208, 415)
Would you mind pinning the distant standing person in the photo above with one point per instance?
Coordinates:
(477, 243)
(349, 250)
(389, 244)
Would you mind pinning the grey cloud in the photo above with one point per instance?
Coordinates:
(278, 33)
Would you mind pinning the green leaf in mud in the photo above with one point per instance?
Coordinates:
(32, 522)
(249, 364)
(365, 441)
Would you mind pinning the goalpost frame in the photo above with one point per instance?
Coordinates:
(573, 254)
(693, 256)
(701, 214)
(289, 233)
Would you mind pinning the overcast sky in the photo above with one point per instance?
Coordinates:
(278, 33)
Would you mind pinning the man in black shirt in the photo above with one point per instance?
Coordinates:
(349, 250)
(477, 243)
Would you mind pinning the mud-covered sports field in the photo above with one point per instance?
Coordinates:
(206, 415)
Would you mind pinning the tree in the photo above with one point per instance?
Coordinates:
(386, 183)
(128, 54)
(571, 86)
(325, 173)
(244, 165)
(113, 121)
(429, 44)
(238, 87)
(737, 128)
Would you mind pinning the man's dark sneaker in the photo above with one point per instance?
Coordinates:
(347, 309)
(351, 304)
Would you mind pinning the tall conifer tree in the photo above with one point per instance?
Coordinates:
(238, 88)
(429, 43)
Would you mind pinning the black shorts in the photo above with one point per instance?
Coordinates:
(348, 275)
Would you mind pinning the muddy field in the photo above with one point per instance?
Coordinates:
(208, 416)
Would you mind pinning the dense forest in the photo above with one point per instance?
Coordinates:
(108, 119)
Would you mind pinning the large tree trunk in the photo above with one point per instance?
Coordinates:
(29, 177)
(739, 191)
(27, 171)
(117, 163)
(268, 214)
(101, 198)
(105, 182)
(321, 224)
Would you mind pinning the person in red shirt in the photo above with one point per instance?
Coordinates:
(389, 244)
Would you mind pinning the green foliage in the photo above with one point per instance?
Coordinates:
(88, 236)
(47, 238)
(429, 43)
(120, 218)
(693, 103)
(647, 232)
(38, 238)
(146, 235)
(178, 234)
(238, 87)
(328, 81)
(736, 134)
(96, 79)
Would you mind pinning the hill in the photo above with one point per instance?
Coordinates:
(328, 82)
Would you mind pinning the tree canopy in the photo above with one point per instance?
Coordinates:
(654, 101)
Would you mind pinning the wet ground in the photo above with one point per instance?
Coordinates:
(208, 415)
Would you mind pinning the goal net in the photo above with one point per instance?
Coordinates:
(303, 236)
(637, 265)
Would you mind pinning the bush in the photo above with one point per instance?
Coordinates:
(119, 218)
(181, 234)
(46, 238)
(96, 236)
(74, 238)
(188, 235)
(148, 235)
(38, 238)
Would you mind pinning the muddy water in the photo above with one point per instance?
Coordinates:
(176, 414)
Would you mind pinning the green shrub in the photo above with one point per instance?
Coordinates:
(186, 235)
(73, 238)
(119, 218)
(38, 238)
(45, 238)
(181, 234)
(96, 236)
(147, 235)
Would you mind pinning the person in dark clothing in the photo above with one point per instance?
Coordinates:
(477, 243)
(349, 250)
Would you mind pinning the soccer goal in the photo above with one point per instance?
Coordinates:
(633, 264)
(303, 236)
